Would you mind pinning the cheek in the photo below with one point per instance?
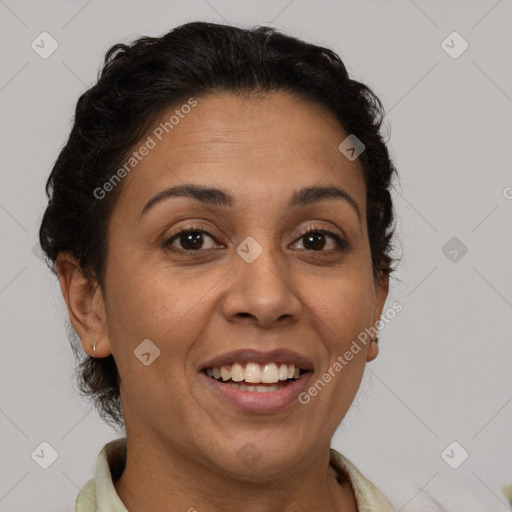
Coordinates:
(342, 307)
(166, 306)
(146, 298)
(151, 332)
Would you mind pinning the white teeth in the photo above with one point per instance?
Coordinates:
(255, 389)
(269, 373)
(254, 373)
(225, 374)
(237, 372)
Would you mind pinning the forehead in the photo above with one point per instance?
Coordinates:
(259, 147)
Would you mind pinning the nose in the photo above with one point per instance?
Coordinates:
(262, 292)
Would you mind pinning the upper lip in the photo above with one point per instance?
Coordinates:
(279, 355)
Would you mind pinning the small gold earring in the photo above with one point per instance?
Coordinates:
(94, 348)
(376, 339)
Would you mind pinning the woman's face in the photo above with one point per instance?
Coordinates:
(251, 282)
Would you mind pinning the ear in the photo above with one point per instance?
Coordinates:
(381, 293)
(85, 304)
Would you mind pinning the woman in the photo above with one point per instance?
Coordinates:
(220, 222)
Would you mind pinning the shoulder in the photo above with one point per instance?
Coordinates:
(368, 496)
(99, 492)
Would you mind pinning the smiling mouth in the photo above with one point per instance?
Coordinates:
(254, 377)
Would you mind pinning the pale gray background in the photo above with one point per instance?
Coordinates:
(444, 371)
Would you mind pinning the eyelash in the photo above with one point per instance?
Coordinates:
(341, 244)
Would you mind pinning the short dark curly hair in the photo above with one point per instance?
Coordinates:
(138, 81)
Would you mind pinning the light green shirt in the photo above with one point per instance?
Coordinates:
(99, 493)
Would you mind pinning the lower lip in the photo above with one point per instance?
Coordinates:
(254, 402)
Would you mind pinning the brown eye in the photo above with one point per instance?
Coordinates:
(314, 240)
(189, 240)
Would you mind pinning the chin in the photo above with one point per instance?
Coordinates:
(256, 462)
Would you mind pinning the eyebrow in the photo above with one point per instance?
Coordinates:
(218, 197)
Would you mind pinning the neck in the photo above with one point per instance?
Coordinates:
(154, 479)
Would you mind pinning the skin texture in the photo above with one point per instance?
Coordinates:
(182, 439)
